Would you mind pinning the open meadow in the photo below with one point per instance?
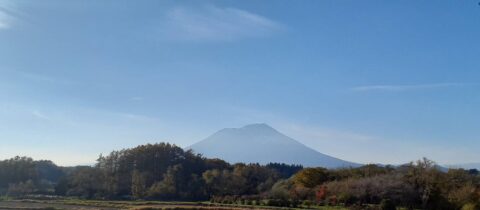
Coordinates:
(134, 205)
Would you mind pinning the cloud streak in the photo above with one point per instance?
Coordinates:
(215, 24)
(398, 88)
(8, 13)
(317, 133)
(307, 133)
(4, 19)
(40, 115)
(35, 77)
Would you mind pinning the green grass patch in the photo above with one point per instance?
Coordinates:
(5, 198)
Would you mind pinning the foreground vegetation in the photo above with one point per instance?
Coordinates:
(134, 205)
(168, 173)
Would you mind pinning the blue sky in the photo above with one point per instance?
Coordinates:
(366, 81)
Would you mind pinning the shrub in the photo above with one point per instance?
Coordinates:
(21, 189)
(387, 204)
(307, 203)
(332, 200)
(278, 202)
(347, 199)
(471, 206)
(294, 203)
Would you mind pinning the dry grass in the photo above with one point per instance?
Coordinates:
(134, 205)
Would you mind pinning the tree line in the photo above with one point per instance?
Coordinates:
(167, 172)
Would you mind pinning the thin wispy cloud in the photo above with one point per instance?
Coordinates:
(40, 115)
(4, 19)
(216, 24)
(303, 131)
(8, 14)
(43, 78)
(137, 117)
(136, 98)
(318, 133)
(408, 87)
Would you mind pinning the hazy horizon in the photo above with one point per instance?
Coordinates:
(368, 82)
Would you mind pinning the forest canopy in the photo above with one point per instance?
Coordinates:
(167, 172)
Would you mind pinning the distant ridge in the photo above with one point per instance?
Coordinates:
(466, 166)
(260, 143)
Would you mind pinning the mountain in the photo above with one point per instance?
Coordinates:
(260, 143)
(466, 166)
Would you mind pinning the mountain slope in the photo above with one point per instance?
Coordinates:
(260, 143)
(466, 166)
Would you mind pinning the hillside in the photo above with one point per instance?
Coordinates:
(466, 166)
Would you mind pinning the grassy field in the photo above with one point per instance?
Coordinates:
(133, 205)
